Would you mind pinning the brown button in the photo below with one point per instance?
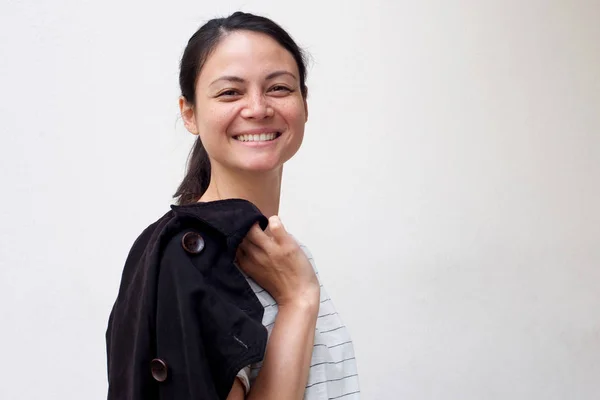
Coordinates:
(159, 369)
(192, 242)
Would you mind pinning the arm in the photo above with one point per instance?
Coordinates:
(279, 265)
(237, 391)
(285, 369)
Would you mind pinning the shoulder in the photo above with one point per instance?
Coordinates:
(150, 233)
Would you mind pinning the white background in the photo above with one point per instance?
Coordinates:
(448, 185)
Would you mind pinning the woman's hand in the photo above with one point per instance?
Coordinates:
(278, 264)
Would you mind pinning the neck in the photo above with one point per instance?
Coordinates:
(261, 189)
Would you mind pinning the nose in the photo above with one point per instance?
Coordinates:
(257, 107)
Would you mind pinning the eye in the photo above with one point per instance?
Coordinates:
(280, 89)
(228, 93)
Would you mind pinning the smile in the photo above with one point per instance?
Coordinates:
(262, 137)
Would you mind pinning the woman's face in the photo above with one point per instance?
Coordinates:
(250, 112)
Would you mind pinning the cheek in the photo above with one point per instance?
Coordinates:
(295, 116)
(216, 120)
(294, 113)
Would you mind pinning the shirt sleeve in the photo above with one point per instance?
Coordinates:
(244, 377)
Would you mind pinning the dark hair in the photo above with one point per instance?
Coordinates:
(199, 47)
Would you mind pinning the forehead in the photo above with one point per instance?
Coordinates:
(247, 54)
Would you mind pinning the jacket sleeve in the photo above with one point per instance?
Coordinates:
(205, 332)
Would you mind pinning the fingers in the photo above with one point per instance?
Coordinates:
(249, 248)
(257, 237)
(277, 230)
(240, 254)
(259, 241)
(244, 259)
(250, 256)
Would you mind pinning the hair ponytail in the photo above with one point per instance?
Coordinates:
(197, 176)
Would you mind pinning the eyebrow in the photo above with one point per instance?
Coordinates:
(272, 75)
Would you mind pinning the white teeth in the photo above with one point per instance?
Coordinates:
(262, 137)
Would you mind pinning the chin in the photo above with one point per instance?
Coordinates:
(260, 164)
(260, 167)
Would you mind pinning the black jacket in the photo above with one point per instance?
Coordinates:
(185, 320)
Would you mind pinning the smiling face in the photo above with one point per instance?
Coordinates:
(249, 111)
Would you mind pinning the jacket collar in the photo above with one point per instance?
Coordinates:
(231, 217)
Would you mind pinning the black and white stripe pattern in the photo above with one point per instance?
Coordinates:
(333, 373)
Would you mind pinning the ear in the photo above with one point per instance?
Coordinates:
(306, 104)
(188, 116)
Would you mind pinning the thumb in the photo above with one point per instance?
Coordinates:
(276, 228)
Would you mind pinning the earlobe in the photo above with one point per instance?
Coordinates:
(187, 114)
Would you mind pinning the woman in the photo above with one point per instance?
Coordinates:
(244, 95)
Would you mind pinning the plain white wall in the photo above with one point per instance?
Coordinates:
(448, 185)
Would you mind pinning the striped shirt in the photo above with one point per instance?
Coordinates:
(333, 373)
